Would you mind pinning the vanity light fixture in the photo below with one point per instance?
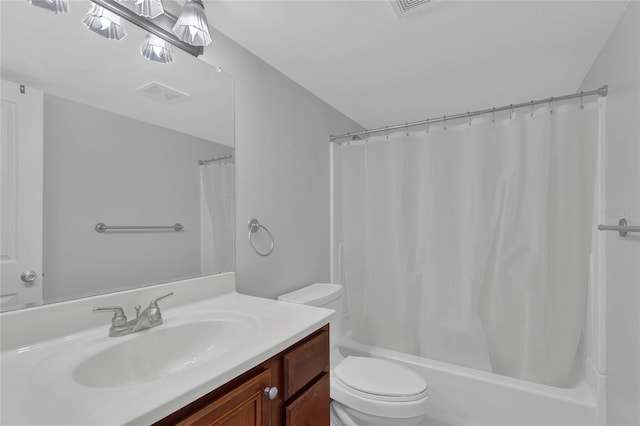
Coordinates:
(146, 8)
(156, 49)
(56, 6)
(105, 23)
(189, 31)
(191, 26)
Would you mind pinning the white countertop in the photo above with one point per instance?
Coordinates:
(38, 387)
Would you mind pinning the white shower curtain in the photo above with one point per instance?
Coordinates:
(471, 244)
(216, 217)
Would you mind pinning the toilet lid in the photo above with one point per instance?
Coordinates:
(379, 377)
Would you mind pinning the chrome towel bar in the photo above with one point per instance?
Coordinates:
(622, 227)
(101, 228)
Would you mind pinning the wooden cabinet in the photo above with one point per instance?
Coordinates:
(303, 363)
(311, 407)
(305, 388)
(301, 375)
(243, 405)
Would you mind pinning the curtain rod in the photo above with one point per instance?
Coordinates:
(602, 91)
(205, 162)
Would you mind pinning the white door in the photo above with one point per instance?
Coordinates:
(21, 135)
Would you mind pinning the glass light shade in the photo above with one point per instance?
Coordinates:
(156, 49)
(106, 23)
(146, 8)
(56, 6)
(191, 26)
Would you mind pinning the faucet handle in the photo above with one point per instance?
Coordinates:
(119, 318)
(154, 302)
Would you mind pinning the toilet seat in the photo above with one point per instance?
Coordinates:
(379, 387)
(380, 379)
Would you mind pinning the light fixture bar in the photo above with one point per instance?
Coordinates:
(161, 25)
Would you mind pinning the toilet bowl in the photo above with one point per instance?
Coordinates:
(365, 391)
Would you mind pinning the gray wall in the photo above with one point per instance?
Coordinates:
(104, 167)
(282, 172)
(618, 65)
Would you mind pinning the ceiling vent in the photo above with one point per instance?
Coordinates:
(402, 7)
(161, 93)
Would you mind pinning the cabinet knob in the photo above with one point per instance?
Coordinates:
(272, 393)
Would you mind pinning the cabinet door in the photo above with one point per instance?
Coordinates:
(305, 362)
(312, 407)
(245, 405)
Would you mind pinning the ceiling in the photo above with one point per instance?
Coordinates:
(446, 57)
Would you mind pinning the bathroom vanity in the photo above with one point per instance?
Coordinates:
(217, 358)
(291, 388)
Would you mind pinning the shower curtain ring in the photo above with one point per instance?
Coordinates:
(445, 122)
(581, 100)
(469, 117)
(511, 112)
(532, 106)
(407, 128)
(551, 106)
(493, 115)
(387, 127)
(428, 124)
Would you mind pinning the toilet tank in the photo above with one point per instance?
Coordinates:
(329, 296)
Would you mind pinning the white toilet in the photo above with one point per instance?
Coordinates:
(365, 391)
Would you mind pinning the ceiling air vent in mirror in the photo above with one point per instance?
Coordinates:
(401, 7)
(161, 92)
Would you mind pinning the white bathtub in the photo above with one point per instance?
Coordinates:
(464, 396)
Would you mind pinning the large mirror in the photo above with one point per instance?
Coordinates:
(94, 133)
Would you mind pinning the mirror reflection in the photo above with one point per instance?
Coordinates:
(92, 132)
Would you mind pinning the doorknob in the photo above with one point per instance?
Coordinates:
(28, 276)
(271, 393)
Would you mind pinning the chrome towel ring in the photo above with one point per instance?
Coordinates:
(254, 226)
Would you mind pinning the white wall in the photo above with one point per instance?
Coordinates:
(618, 65)
(104, 167)
(282, 172)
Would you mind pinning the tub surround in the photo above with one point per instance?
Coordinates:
(41, 348)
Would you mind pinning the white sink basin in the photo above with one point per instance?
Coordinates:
(66, 370)
(164, 350)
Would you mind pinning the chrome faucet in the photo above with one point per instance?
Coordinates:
(150, 317)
